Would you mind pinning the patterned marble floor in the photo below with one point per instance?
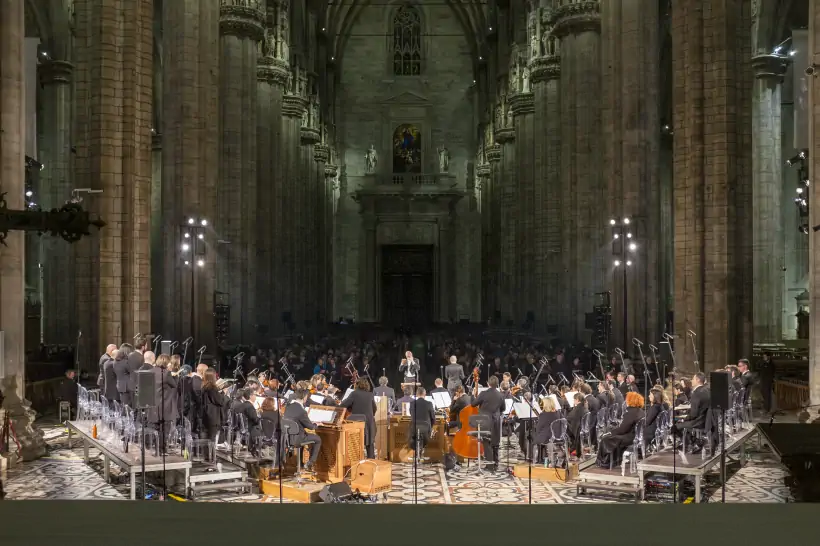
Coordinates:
(63, 475)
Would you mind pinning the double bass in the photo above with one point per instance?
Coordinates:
(464, 445)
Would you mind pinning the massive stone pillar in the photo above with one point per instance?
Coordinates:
(522, 104)
(113, 90)
(508, 216)
(484, 176)
(56, 183)
(584, 229)
(190, 167)
(545, 70)
(713, 213)
(631, 144)
(768, 248)
(323, 211)
(307, 194)
(814, 211)
(241, 30)
(494, 208)
(12, 183)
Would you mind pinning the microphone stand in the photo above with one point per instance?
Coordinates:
(623, 362)
(655, 360)
(185, 345)
(201, 351)
(692, 335)
(156, 342)
(646, 377)
(280, 442)
(599, 354)
(669, 340)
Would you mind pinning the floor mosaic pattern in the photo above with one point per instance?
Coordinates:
(63, 475)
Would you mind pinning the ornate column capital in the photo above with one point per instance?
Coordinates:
(494, 153)
(507, 134)
(293, 106)
(156, 142)
(546, 68)
(309, 135)
(272, 70)
(482, 170)
(770, 66)
(241, 18)
(522, 103)
(321, 153)
(575, 17)
(331, 170)
(55, 72)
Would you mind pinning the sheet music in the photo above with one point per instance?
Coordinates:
(377, 399)
(570, 396)
(482, 389)
(347, 393)
(442, 400)
(257, 402)
(318, 398)
(555, 401)
(508, 403)
(525, 411)
(405, 409)
(317, 415)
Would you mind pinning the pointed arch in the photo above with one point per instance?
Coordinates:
(406, 40)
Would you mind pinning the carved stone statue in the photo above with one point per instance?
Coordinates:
(513, 78)
(510, 117)
(314, 112)
(371, 160)
(545, 48)
(534, 52)
(499, 115)
(268, 43)
(29, 444)
(443, 159)
(525, 80)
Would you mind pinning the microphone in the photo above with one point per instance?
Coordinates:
(239, 356)
(637, 342)
(174, 345)
(79, 333)
(669, 337)
(157, 338)
(188, 341)
(690, 333)
(619, 351)
(202, 349)
(136, 336)
(653, 347)
(597, 353)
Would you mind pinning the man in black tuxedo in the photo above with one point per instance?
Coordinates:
(491, 403)
(410, 368)
(765, 380)
(109, 389)
(361, 402)
(454, 374)
(125, 393)
(384, 390)
(106, 356)
(593, 406)
(295, 411)
(439, 386)
(164, 415)
(242, 406)
(747, 379)
(422, 418)
(698, 407)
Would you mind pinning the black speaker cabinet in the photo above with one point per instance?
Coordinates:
(719, 390)
(146, 393)
(165, 348)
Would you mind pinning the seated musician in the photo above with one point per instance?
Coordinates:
(242, 406)
(270, 419)
(460, 401)
(422, 419)
(613, 445)
(562, 400)
(735, 382)
(680, 397)
(361, 402)
(605, 396)
(699, 406)
(439, 386)
(543, 427)
(574, 419)
(384, 390)
(406, 399)
(505, 390)
(295, 411)
(658, 403)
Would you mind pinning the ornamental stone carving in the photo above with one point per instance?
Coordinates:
(412, 233)
(242, 18)
(55, 72)
(576, 16)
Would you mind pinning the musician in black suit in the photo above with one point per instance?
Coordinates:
(574, 419)
(594, 407)
(122, 371)
(543, 427)
(295, 411)
(106, 356)
(439, 386)
(658, 403)
(698, 407)
(613, 445)
(422, 418)
(361, 402)
(491, 403)
(460, 401)
(110, 381)
(410, 368)
(243, 406)
(747, 379)
(136, 358)
(406, 399)
(165, 413)
(384, 390)
(454, 374)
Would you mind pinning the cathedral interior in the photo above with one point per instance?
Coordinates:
(271, 166)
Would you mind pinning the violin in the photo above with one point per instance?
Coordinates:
(515, 390)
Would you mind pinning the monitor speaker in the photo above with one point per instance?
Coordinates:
(165, 347)
(719, 390)
(146, 393)
(335, 492)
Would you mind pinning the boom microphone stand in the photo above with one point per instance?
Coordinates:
(156, 341)
(201, 351)
(600, 355)
(655, 360)
(646, 377)
(185, 345)
(692, 335)
(623, 362)
(669, 339)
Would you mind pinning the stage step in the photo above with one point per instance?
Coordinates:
(631, 490)
(203, 480)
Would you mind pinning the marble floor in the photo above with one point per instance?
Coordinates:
(63, 475)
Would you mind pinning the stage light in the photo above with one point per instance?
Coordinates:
(802, 154)
(187, 235)
(799, 190)
(185, 247)
(792, 52)
(612, 222)
(191, 221)
(200, 263)
(29, 193)
(626, 221)
(616, 236)
(628, 262)
(628, 235)
(200, 236)
(616, 263)
(204, 222)
(187, 262)
(633, 247)
(777, 50)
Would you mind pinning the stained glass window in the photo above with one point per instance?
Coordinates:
(407, 42)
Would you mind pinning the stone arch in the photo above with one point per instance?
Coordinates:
(768, 20)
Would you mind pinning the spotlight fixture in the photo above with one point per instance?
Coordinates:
(187, 262)
(200, 236)
(617, 263)
(612, 222)
(626, 221)
(633, 247)
(204, 222)
(29, 193)
(804, 229)
(801, 155)
(617, 236)
(200, 263)
(628, 235)
(185, 247)
(187, 235)
(190, 221)
(629, 262)
(799, 190)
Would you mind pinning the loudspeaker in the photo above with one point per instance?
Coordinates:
(335, 492)
(165, 348)
(146, 393)
(719, 390)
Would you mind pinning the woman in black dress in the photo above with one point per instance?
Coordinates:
(658, 403)
(612, 446)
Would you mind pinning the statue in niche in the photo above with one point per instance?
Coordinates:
(499, 115)
(314, 112)
(534, 52)
(371, 160)
(443, 159)
(510, 117)
(513, 78)
(545, 47)
(525, 80)
(305, 117)
(268, 43)
(303, 83)
(324, 135)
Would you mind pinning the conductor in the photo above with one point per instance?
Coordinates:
(410, 368)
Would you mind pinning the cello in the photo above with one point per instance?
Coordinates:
(464, 445)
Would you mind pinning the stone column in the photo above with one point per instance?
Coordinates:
(631, 147)
(367, 273)
(114, 69)
(323, 210)
(584, 228)
(768, 252)
(814, 212)
(190, 167)
(240, 27)
(713, 216)
(494, 210)
(484, 174)
(523, 108)
(306, 250)
(12, 183)
(446, 289)
(509, 219)
(56, 255)
(549, 276)
(156, 219)
(287, 221)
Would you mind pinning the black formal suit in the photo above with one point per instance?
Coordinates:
(68, 391)
(574, 419)
(698, 408)
(165, 413)
(123, 373)
(456, 406)
(594, 406)
(246, 409)
(624, 388)
(454, 374)
(296, 413)
(613, 445)
(422, 418)
(491, 403)
(543, 427)
(747, 379)
(362, 403)
(190, 397)
(110, 386)
(618, 396)
(211, 414)
(101, 377)
(135, 361)
(653, 413)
